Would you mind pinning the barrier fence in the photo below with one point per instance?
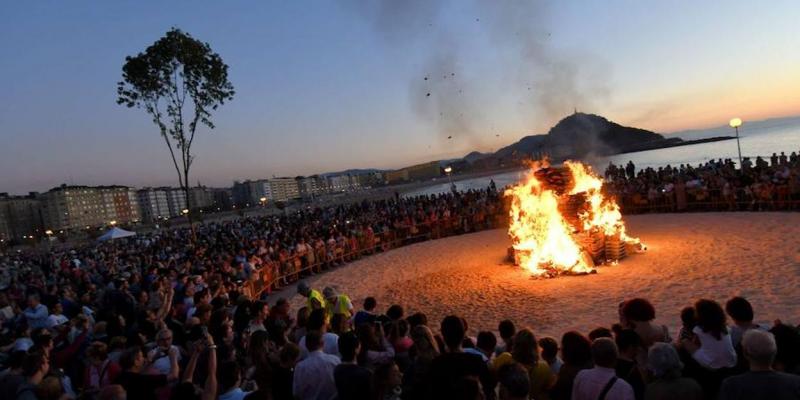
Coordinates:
(712, 200)
(277, 274)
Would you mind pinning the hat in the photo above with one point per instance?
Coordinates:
(328, 292)
(302, 287)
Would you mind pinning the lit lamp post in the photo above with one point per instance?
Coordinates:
(735, 124)
(185, 211)
(448, 170)
(263, 201)
(112, 223)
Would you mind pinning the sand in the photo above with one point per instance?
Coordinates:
(690, 256)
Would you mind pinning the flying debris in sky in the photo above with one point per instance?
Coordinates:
(450, 137)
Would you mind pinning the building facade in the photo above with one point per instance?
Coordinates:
(200, 197)
(78, 207)
(153, 204)
(20, 216)
(342, 183)
(176, 201)
(284, 189)
(311, 186)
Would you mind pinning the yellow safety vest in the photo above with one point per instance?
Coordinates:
(315, 295)
(339, 306)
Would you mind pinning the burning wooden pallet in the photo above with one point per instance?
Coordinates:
(594, 243)
(615, 248)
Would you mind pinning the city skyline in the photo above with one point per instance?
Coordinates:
(334, 86)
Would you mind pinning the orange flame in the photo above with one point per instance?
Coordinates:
(543, 238)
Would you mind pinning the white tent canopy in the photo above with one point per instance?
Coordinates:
(115, 233)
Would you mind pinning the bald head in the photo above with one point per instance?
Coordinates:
(759, 348)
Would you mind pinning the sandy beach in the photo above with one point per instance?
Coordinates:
(714, 255)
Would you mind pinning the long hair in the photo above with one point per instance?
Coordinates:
(576, 349)
(526, 348)
(425, 346)
(710, 318)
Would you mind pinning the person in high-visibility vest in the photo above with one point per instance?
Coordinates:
(337, 303)
(314, 297)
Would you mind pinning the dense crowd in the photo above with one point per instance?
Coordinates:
(763, 184)
(226, 346)
(131, 292)
(183, 314)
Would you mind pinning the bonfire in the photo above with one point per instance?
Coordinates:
(563, 223)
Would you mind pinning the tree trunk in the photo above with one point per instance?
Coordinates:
(188, 204)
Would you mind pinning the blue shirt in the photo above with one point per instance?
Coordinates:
(37, 316)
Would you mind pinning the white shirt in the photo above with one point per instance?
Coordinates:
(713, 353)
(56, 320)
(162, 364)
(313, 377)
(330, 345)
(589, 384)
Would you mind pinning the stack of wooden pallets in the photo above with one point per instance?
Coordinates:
(615, 248)
(593, 242)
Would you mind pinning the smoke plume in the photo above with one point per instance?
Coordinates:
(446, 92)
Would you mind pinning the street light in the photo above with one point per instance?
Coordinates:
(112, 222)
(185, 211)
(735, 124)
(263, 201)
(447, 170)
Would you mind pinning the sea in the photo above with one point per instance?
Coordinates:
(761, 138)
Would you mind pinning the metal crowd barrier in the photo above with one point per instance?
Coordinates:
(266, 278)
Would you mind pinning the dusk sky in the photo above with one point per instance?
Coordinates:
(329, 85)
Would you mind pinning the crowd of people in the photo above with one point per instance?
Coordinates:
(121, 293)
(183, 314)
(230, 347)
(763, 184)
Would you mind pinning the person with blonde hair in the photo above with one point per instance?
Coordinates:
(526, 352)
(422, 353)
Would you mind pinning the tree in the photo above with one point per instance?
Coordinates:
(178, 81)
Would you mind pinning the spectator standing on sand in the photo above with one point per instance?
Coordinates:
(507, 331)
(313, 377)
(375, 347)
(514, 382)
(576, 351)
(315, 300)
(367, 315)
(741, 312)
(451, 367)
(665, 368)
(761, 382)
(712, 347)
(549, 348)
(526, 353)
(601, 382)
(422, 353)
(317, 323)
(337, 303)
(638, 314)
(628, 344)
(353, 382)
